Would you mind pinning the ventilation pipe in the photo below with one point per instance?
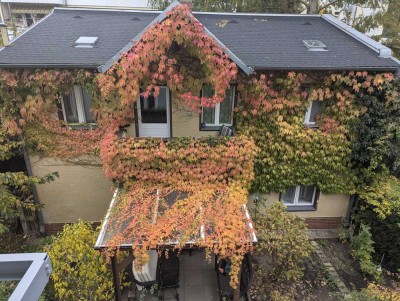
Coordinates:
(4, 34)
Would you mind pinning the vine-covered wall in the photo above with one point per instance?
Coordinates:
(270, 114)
(272, 109)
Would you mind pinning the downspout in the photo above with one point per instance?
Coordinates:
(397, 76)
(39, 213)
(350, 210)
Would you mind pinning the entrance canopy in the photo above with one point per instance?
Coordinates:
(153, 214)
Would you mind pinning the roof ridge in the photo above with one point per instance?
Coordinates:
(255, 14)
(107, 10)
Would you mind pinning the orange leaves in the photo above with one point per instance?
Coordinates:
(160, 58)
(181, 190)
(219, 161)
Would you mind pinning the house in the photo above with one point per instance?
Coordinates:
(94, 39)
(90, 82)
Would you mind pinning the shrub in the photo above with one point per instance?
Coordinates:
(386, 235)
(284, 241)
(375, 292)
(80, 273)
(362, 251)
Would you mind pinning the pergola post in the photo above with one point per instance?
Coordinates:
(117, 268)
(116, 280)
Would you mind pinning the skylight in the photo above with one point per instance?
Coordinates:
(315, 45)
(86, 42)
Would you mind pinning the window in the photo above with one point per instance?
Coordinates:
(76, 106)
(315, 109)
(153, 109)
(222, 113)
(300, 196)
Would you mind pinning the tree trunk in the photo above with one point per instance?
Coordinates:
(313, 8)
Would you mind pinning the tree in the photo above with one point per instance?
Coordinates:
(15, 187)
(272, 6)
(391, 27)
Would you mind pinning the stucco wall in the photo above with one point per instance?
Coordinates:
(79, 193)
(333, 205)
(187, 124)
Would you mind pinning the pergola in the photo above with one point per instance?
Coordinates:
(112, 226)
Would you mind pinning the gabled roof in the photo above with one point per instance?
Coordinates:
(253, 41)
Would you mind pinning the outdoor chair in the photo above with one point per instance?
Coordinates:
(226, 131)
(168, 273)
(246, 276)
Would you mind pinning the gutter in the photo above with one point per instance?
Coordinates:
(36, 200)
(325, 68)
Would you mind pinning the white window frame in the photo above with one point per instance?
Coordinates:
(217, 111)
(296, 198)
(308, 115)
(78, 91)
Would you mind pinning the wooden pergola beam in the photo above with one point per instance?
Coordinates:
(117, 268)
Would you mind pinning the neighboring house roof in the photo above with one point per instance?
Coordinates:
(254, 41)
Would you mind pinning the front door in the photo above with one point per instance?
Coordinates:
(154, 115)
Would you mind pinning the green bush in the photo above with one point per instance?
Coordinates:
(386, 237)
(284, 243)
(80, 273)
(362, 251)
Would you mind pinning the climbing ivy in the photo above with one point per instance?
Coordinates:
(272, 109)
(215, 175)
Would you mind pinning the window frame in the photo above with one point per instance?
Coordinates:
(80, 106)
(307, 121)
(217, 111)
(296, 206)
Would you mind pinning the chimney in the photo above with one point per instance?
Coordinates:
(189, 3)
(4, 34)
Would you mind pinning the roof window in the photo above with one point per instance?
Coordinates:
(86, 42)
(315, 45)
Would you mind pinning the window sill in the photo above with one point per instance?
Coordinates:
(211, 128)
(311, 126)
(82, 126)
(300, 208)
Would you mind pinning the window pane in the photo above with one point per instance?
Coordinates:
(306, 194)
(316, 109)
(71, 111)
(208, 113)
(288, 196)
(154, 109)
(226, 107)
(87, 103)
